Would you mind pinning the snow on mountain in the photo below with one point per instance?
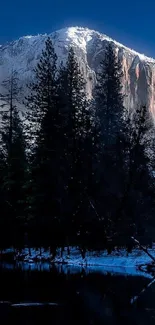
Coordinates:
(89, 46)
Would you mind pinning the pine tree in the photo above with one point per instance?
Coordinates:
(135, 205)
(44, 131)
(108, 97)
(42, 91)
(78, 143)
(13, 157)
(109, 127)
(9, 102)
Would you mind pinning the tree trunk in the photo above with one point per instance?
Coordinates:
(143, 248)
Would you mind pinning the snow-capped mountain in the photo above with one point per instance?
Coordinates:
(89, 45)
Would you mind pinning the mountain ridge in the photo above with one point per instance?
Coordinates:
(141, 55)
(89, 45)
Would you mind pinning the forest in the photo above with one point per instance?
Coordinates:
(75, 171)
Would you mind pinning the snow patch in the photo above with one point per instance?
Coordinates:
(119, 261)
(28, 36)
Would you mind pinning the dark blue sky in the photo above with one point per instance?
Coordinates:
(131, 22)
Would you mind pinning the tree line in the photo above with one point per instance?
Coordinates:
(74, 171)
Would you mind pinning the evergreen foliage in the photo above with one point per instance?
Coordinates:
(13, 162)
(75, 171)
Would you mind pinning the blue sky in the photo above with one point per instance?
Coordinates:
(130, 22)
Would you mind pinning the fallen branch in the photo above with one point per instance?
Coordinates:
(134, 299)
(29, 304)
(143, 248)
(34, 304)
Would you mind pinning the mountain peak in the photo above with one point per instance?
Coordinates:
(89, 46)
(82, 35)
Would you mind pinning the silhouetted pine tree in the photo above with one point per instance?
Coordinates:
(44, 133)
(136, 205)
(109, 131)
(14, 160)
(78, 151)
(108, 97)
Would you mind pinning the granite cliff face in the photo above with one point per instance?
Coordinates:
(139, 70)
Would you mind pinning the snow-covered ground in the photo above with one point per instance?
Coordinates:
(119, 258)
(118, 261)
